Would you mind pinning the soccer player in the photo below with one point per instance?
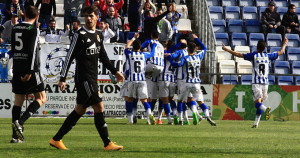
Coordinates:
(137, 86)
(26, 73)
(87, 48)
(260, 73)
(191, 68)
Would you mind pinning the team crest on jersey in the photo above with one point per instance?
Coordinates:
(98, 38)
(54, 63)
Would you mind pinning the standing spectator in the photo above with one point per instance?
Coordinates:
(104, 6)
(14, 7)
(71, 7)
(113, 24)
(45, 11)
(159, 5)
(27, 3)
(88, 2)
(52, 34)
(106, 31)
(6, 28)
(146, 5)
(270, 20)
(97, 4)
(164, 28)
(290, 20)
(76, 26)
(151, 23)
(133, 15)
(173, 17)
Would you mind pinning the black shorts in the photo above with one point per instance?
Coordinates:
(34, 85)
(87, 93)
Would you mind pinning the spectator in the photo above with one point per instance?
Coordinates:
(45, 11)
(270, 20)
(14, 7)
(133, 15)
(6, 28)
(151, 23)
(52, 34)
(146, 5)
(124, 8)
(27, 3)
(173, 17)
(290, 20)
(113, 24)
(88, 2)
(104, 6)
(106, 31)
(97, 4)
(71, 8)
(76, 26)
(164, 1)
(164, 28)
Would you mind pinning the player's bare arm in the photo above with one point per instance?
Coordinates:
(129, 43)
(232, 52)
(281, 51)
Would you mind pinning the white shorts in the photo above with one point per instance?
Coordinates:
(137, 89)
(124, 90)
(166, 89)
(190, 88)
(180, 85)
(153, 92)
(260, 91)
(155, 69)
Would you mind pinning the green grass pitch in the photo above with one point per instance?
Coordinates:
(227, 139)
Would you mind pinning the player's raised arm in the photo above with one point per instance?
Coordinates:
(129, 43)
(147, 55)
(232, 52)
(281, 51)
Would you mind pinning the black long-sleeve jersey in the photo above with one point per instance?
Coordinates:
(87, 48)
(24, 43)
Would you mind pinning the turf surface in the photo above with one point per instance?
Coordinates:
(227, 139)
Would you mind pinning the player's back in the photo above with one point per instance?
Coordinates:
(158, 58)
(24, 48)
(137, 63)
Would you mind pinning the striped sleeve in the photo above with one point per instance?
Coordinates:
(75, 47)
(34, 38)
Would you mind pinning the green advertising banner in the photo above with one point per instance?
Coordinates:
(235, 102)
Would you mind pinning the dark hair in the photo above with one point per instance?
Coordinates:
(159, 9)
(291, 6)
(14, 16)
(136, 45)
(170, 44)
(103, 20)
(261, 46)
(155, 34)
(191, 47)
(146, 13)
(187, 36)
(52, 20)
(77, 21)
(31, 12)
(96, 0)
(90, 10)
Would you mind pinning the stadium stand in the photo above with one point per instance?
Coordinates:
(274, 40)
(235, 26)
(262, 3)
(229, 2)
(244, 3)
(293, 40)
(254, 38)
(282, 11)
(281, 3)
(244, 67)
(254, 49)
(293, 54)
(222, 37)
(296, 67)
(261, 10)
(223, 55)
(297, 80)
(227, 66)
(295, 2)
(232, 12)
(238, 39)
(230, 79)
(216, 12)
(271, 80)
(252, 26)
(242, 50)
(213, 3)
(276, 49)
(298, 13)
(285, 80)
(249, 13)
(246, 79)
(281, 67)
(219, 26)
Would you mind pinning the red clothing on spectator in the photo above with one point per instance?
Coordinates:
(104, 7)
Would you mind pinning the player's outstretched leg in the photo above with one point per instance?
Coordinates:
(206, 113)
(150, 117)
(193, 106)
(259, 109)
(168, 113)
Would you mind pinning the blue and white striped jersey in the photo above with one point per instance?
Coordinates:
(158, 58)
(260, 62)
(178, 55)
(137, 64)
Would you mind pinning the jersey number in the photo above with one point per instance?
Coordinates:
(19, 40)
(261, 68)
(137, 66)
(192, 70)
(171, 68)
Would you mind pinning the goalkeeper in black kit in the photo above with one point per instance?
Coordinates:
(87, 48)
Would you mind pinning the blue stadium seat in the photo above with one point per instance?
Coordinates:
(232, 12)
(219, 26)
(296, 67)
(254, 49)
(222, 37)
(213, 2)
(281, 67)
(282, 11)
(235, 26)
(261, 10)
(298, 13)
(296, 3)
(252, 26)
(282, 3)
(249, 13)
(229, 2)
(246, 79)
(276, 49)
(216, 12)
(254, 38)
(130, 35)
(238, 39)
(244, 3)
(262, 3)
(271, 80)
(297, 80)
(285, 80)
(274, 39)
(293, 54)
(293, 40)
(230, 79)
